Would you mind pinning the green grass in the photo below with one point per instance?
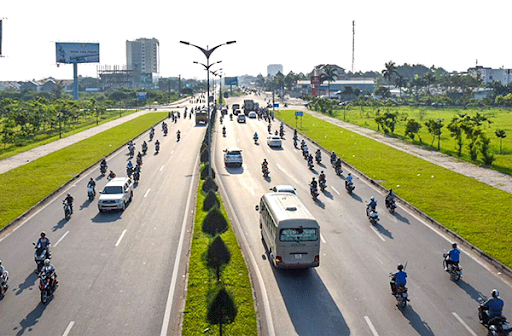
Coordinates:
(501, 118)
(25, 186)
(476, 211)
(201, 280)
(50, 136)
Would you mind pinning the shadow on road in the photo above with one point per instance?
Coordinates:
(60, 225)
(356, 197)
(327, 194)
(30, 281)
(107, 216)
(86, 203)
(421, 327)
(320, 203)
(401, 218)
(235, 170)
(470, 290)
(268, 179)
(384, 231)
(307, 299)
(32, 318)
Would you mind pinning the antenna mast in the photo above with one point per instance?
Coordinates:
(353, 39)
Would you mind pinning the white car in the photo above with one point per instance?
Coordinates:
(233, 157)
(274, 141)
(283, 188)
(252, 115)
(116, 194)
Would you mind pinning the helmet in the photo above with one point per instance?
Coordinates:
(391, 190)
(349, 174)
(69, 195)
(454, 245)
(313, 178)
(91, 178)
(43, 234)
(322, 172)
(372, 198)
(495, 293)
(400, 267)
(47, 262)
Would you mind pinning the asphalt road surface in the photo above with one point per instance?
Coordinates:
(349, 293)
(121, 272)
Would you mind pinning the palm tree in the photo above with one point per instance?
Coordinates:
(429, 79)
(329, 73)
(389, 71)
(500, 134)
(401, 82)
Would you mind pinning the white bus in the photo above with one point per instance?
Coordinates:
(291, 233)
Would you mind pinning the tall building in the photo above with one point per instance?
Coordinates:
(488, 75)
(273, 69)
(143, 55)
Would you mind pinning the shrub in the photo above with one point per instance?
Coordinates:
(221, 308)
(214, 222)
(217, 255)
(204, 172)
(204, 156)
(209, 184)
(210, 201)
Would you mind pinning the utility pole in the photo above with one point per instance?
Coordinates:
(353, 45)
(179, 85)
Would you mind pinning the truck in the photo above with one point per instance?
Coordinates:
(248, 106)
(201, 117)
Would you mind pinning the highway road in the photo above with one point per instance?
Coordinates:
(120, 273)
(348, 294)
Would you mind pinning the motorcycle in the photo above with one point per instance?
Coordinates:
(129, 171)
(157, 148)
(67, 210)
(151, 135)
(318, 157)
(333, 161)
(295, 142)
(373, 215)
(178, 136)
(349, 186)
(496, 326)
(338, 171)
(3, 283)
(90, 193)
(310, 164)
(391, 205)
(455, 271)
(47, 286)
(139, 161)
(136, 177)
(265, 172)
(323, 185)
(144, 150)
(400, 294)
(314, 191)
(103, 169)
(166, 131)
(40, 255)
(131, 148)
(224, 131)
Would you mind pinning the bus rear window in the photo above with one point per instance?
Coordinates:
(299, 234)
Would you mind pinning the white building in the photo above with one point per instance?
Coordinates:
(488, 75)
(143, 55)
(273, 69)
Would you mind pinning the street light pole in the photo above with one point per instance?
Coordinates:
(207, 53)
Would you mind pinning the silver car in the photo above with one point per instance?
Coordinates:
(116, 194)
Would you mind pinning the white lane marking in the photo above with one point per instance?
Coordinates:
(64, 235)
(237, 139)
(370, 324)
(279, 167)
(322, 238)
(245, 166)
(161, 168)
(120, 238)
(336, 191)
(68, 329)
(377, 233)
(147, 192)
(170, 298)
(172, 151)
(252, 191)
(464, 324)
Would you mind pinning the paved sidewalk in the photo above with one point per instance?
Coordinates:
(35, 153)
(485, 175)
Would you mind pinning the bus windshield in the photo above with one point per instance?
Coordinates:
(298, 234)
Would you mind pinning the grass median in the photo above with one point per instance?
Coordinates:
(26, 185)
(476, 211)
(235, 277)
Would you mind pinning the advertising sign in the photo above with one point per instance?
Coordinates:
(316, 80)
(142, 95)
(230, 80)
(77, 52)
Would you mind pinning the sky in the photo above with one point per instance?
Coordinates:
(451, 34)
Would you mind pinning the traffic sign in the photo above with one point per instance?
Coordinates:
(299, 113)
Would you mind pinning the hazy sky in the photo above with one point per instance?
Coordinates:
(451, 34)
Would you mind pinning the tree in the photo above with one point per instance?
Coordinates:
(260, 81)
(435, 127)
(456, 130)
(401, 82)
(488, 157)
(412, 128)
(217, 255)
(389, 71)
(429, 79)
(329, 73)
(290, 81)
(501, 135)
(387, 121)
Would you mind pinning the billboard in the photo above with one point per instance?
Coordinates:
(142, 95)
(316, 80)
(77, 52)
(230, 80)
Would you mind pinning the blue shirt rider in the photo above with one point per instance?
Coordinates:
(494, 306)
(349, 178)
(400, 279)
(43, 242)
(453, 256)
(371, 206)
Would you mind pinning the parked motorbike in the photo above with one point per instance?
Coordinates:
(40, 255)
(496, 326)
(349, 186)
(373, 215)
(391, 205)
(67, 210)
(47, 286)
(323, 185)
(455, 271)
(400, 294)
(90, 193)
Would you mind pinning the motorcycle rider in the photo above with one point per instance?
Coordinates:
(129, 167)
(453, 257)
(3, 282)
(264, 164)
(333, 157)
(348, 179)
(399, 279)
(111, 175)
(371, 206)
(318, 155)
(390, 197)
(103, 165)
(69, 201)
(139, 159)
(144, 147)
(310, 159)
(157, 145)
(49, 270)
(178, 135)
(44, 242)
(338, 165)
(255, 137)
(321, 177)
(224, 130)
(314, 184)
(491, 308)
(92, 184)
